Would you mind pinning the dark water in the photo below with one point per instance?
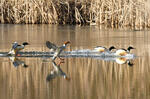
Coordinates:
(89, 78)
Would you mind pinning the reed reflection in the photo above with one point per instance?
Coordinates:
(57, 72)
(17, 62)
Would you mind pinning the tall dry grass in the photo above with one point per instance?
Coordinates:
(113, 13)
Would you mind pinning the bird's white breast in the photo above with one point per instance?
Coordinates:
(120, 52)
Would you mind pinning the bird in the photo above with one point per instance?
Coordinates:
(57, 50)
(103, 49)
(16, 48)
(123, 52)
(16, 62)
(123, 60)
(56, 72)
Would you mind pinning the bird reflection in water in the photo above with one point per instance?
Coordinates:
(16, 62)
(123, 60)
(57, 72)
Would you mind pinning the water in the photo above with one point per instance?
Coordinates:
(89, 78)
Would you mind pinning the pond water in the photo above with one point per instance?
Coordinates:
(89, 78)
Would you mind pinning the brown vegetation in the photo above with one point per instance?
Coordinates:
(114, 13)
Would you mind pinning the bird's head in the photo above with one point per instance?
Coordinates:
(130, 64)
(67, 42)
(67, 78)
(130, 47)
(112, 47)
(25, 43)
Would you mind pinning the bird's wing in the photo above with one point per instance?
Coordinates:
(50, 77)
(14, 46)
(16, 64)
(51, 45)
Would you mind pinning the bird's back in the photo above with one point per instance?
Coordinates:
(121, 52)
(100, 48)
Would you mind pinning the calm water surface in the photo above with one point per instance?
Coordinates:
(88, 78)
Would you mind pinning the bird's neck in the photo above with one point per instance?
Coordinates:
(110, 48)
(128, 49)
(23, 45)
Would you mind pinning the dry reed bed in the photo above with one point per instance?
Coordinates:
(114, 13)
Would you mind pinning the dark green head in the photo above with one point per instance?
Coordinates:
(129, 48)
(25, 43)
(112, 47)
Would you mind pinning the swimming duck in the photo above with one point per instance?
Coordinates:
(57, 50)
(103, 49)
(56, 72)
(16, 48)
(123, 60)
(123, 52)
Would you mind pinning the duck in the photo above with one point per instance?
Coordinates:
(57, 50)
(123, 60)
(16, 48)
(56, 72)
(16, 62)
(123, 52)
(104, 49)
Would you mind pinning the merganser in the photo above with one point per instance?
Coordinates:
(56, 72)
(16, 62)
(16, 48)
(57, 50)
(103, 49)
(123, 52)
(123, 60)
